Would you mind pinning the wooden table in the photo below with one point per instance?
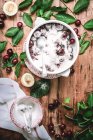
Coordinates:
(75, 86)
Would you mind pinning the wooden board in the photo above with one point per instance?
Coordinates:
(76, 86)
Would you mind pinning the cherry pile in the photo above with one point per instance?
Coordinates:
(8, 59)
(64, 133)
(77, 23)
(2, 19)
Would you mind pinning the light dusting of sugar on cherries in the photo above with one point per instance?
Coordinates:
(55, 39)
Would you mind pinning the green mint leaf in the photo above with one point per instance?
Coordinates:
(18, 69)
(66, 1)
(25, 4)
(88, 114)
(2, 46)
(67, 100)
(47, 15)
(16, 39)
(46, 4)
(12, 31)
(40, 12)
(84, 46)
(35, 6)
(27, 19)
(89, 25)
(40, 88)
(81, 5)
(58, 9)
(23, 56)
(90, 100)
(81, 106)
(82, 38)
(65, 18)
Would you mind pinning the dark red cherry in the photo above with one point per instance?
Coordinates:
(15, 61)
(2, 16)
(1, 24)
(51, 107)
(20, 25)
(72, 41)
(58, 137)
(8, 70)
(76, 30)
(10, 52)
(62, 127)
(78, 22)
(6, 57)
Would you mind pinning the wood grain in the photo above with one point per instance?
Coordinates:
(75, 86)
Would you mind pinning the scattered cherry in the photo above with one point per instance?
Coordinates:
(76, 30)
(79, 37)
(51, 107)
(2, 16)
(20, 25)
(58, 137)
(1, 24)
(15, 61)
(72, 41)
(62, 126)
(52, 132)
(8, 70)
(10, 52)
(6, 57)
(69, 133)
(51, 126)
(78, 22)
(63, 134)
(56, 103)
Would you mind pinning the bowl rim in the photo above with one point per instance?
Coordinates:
(36, 123)
(77, 46)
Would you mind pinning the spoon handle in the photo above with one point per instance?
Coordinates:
(44, 71)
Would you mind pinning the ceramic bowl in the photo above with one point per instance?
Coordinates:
(37, 113)
(54, 74)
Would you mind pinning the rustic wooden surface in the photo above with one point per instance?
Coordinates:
(76, 86)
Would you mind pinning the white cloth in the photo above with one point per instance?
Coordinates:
(9, 91)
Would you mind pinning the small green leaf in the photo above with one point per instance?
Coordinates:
(27, 19)
(58, 9)
(66, 1)
(46, 4)
(40, 88)
(65, 18)
(47, 15)
(84, 124)
(18, 69)
(16, 39)
(35, 6)
(89, 25)
(81, 5)
(84, 46)
(81, 106)
(67, 100)
(2, 46)
(90, 100)
(67, 107)
(40, 13)
(12, 31)
(82, 38)
(25, 4)
(88, 114)
(23, 56)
